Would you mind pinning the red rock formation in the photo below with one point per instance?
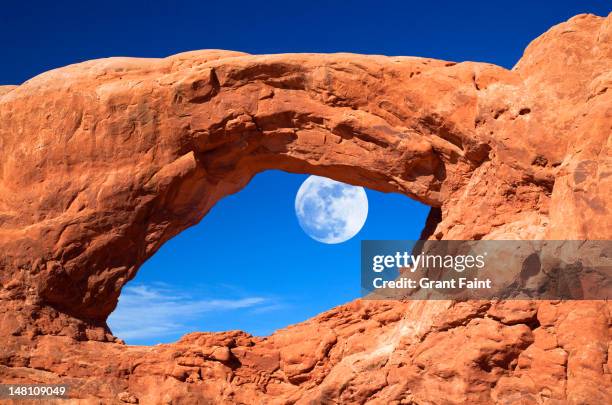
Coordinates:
(104, 161)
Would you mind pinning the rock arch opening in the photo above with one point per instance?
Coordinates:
(249, 266)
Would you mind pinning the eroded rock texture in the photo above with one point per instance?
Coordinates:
(103, 161)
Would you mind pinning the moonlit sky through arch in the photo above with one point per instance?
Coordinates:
(249, 265)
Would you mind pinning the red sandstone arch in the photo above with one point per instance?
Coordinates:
(103, 161)
(134, 151)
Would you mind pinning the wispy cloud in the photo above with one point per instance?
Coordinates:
(149, 312)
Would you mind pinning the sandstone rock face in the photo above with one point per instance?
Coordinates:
(103, 161)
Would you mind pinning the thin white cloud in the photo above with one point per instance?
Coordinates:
(269, 308)
(154, 312)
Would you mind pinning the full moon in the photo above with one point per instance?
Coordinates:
(330, 211)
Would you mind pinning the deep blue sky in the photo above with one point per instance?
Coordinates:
(40, 35)
(248, 265)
